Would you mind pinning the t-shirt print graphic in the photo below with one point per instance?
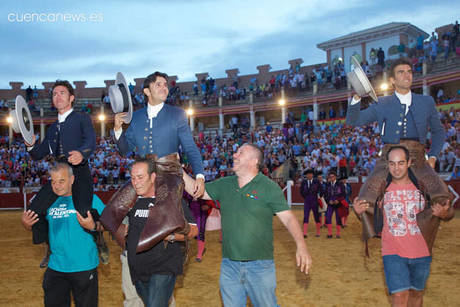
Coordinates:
(396, 204)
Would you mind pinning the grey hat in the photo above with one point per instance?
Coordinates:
(22, 120)
(120, 98)
(359, 81)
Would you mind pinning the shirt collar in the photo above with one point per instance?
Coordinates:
(62, 117)
(405, 99)
(152, 111)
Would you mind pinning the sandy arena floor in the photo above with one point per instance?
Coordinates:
(341, 275)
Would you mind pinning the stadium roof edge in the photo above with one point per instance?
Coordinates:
(369, 33)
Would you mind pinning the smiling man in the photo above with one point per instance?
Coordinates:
(72, 267)
(71, 139)
(248, 202)
(157, 131)
(154, 271)
(404, 118)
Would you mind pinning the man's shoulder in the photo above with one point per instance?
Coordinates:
(173, 109)
(422, 98)
(139, 113)
(385, 100)
(96, 199)
(266, 181)
(222, 180)
(75, 115)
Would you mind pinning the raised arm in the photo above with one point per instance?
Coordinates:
(356, 116)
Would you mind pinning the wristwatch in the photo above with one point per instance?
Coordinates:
(172, 238)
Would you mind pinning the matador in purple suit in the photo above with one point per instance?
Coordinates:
(310, 189)
(334, 195)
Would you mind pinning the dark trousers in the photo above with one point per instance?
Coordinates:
(200, 217)
(58, 286)
(157, 291)
(82, 196)
(310, 206)
(330, 210)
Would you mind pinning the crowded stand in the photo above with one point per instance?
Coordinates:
(348, 151)
(322, 146)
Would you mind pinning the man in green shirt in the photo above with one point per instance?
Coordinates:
(248, 202)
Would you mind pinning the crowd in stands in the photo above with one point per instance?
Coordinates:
(294, 80)
(349, 151)
(428, 50)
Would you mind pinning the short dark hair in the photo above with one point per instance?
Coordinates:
(151, 166)
(259, 154)
(64, 83)
(403, 148)
(67, 85)
(400, 61)
(151, 79)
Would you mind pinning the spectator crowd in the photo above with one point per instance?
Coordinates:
(321, 147)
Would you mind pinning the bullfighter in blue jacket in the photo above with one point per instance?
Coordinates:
(404, 118)
(157, 131)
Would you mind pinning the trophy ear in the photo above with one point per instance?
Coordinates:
(360, 82)
(22, 120)
(120, 98)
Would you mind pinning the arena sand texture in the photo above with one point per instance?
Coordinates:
(341, 275)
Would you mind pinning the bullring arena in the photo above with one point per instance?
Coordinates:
(341, 275)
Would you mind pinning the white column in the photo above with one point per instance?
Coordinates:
(192, 123)
(221, 117)
(315, 102)
(103, 121)
(385, 79)
(348, 94)
(283, 108)
(290, 184)
(10, 129)
(192, 118)
(252, 114)
(426, 88)
(42, 124)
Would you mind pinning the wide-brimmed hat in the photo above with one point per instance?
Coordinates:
(359, 80)
(22, 120)
(120, 98)
(309, 171)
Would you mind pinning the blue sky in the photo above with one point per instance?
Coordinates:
(184, 37)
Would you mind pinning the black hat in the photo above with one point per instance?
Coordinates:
(308, 171)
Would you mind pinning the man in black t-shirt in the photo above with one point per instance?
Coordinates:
(154, 271)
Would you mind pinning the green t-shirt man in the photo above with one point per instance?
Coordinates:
(247, 216)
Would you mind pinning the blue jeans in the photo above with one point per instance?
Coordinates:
(157, 291)
(405, 273)
(256, 279)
